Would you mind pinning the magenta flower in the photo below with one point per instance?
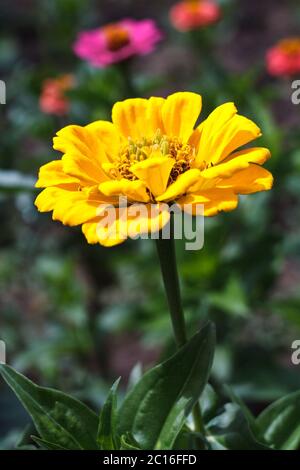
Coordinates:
(117, 41)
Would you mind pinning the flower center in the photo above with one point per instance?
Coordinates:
(160, 144)
(116, 37)
(290, 46)
(192, 6)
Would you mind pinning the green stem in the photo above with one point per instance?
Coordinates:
(167, 258)
(129, 88)
(198, 419)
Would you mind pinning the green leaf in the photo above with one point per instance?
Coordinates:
(244, 408)
(47, 445)
(155, 410)
(209, 402)
(58, 418)
(280, 423)
(135, 375)
(128, 442)
(188, 440)
(106, 430)
(25, 438)
(231, 430)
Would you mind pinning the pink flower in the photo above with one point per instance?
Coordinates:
(53, 99)
(284, 58)
(117, 41)
(194, 14)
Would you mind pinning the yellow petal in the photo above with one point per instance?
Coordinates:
(154, 116)
(146, 218)
(138, 118)
(205, 136)
(134, 190)
(181, 185)
(194, 139)
(84, 169)
(78, 140)
(84, 154)
(115, 225)
(251, 180)
(109, 137)
(52, 174)
(96, 232)
(154, 172)
(223, 132)
(180, 113)
(258, 155)
(128, 117)
(71, 207)
(240, 131)
(214, 200)
(237, 161)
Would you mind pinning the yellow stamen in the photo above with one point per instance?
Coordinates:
(137, 151)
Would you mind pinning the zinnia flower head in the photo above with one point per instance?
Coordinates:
(284, 58)
(194, 14)
(117, 41)
(53, 99)
(152, 154)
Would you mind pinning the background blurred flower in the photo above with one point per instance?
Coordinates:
(284, 58)
(193, 14)
(53, 99)
(117, 41)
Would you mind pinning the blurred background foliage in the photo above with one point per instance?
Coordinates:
(76, 316)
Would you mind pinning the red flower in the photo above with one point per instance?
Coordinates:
(284, 58)
(194, 14)
(53, 99)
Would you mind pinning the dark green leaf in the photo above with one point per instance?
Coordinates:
(155, 410)
(106, 430)
(209, 402)
(57, 417)
(188, 440)
(244, 408)
(25, 438)
(280, 422)
(135, 375)
(128, 443)
(47, 445)
(230, 430)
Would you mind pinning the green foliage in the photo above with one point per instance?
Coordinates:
(64, 423)
(279, 424)
(157, 407)
(230, 430)
(59, 419)
(176, 385)
(107, 423)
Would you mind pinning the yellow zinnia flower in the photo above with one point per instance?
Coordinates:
(152, 154)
